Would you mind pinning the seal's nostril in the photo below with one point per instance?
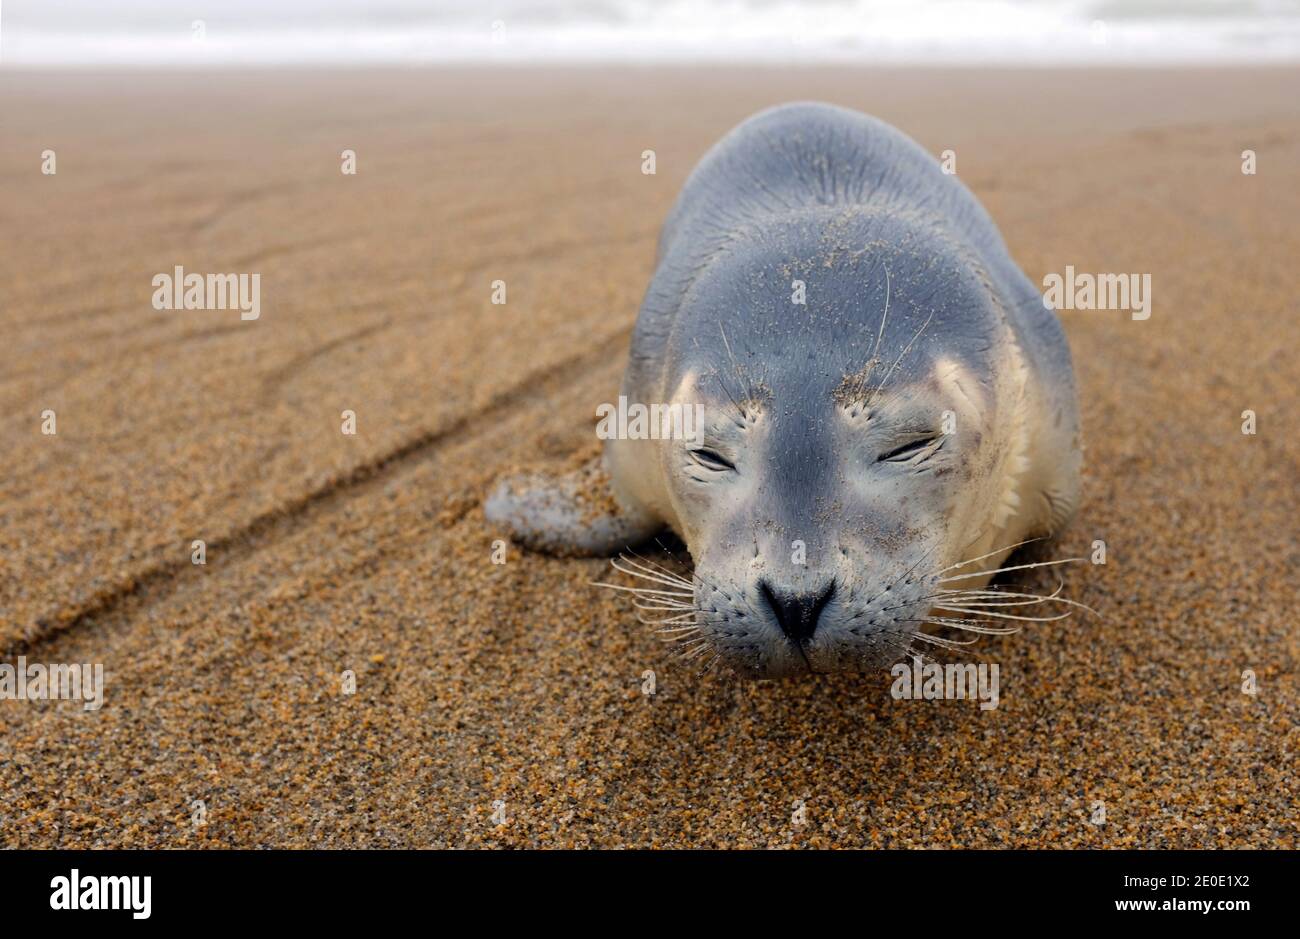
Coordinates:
(797, 613)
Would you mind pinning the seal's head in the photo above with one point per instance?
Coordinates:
(855, 445)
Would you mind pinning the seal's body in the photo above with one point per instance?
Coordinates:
(889, 407)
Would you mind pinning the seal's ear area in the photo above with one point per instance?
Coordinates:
(960, 390)
(573, 514)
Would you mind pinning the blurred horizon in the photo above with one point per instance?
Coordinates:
(185, 33)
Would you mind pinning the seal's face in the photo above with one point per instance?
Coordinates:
(828, 492)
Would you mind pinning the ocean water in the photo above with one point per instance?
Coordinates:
(43, 33)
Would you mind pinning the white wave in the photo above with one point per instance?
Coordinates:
(812, 32)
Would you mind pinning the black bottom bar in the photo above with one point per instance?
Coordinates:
(334, 889)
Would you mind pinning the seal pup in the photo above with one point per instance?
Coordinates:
(889, 408)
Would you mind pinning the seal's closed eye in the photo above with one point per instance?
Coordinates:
(711, 460)
(909, 450)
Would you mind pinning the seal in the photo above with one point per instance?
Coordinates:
(889, 409)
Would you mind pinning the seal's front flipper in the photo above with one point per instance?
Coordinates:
(571, 514)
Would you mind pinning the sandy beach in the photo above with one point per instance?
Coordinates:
(518, 684)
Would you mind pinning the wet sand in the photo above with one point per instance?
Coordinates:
(478, 682)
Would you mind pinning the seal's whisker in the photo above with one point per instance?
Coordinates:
(697, 651)
(675, 591)
(859, 390)
(941, 642)
(1015, 567)
(904, 647)
(645, 575)
(884, 317)
(980, 598)
(676, 580)
(660, 581)
(644, 590)
(1010, 547)
(651, 567)
(987, 597)
(680, 618)
(699, 580)
(669, 620)
(672, 640)
(984, 612)
(655, 583)
(906, 575)
(900, 606)
(983, 604)
(946, 603)
(651, 576)
(669, 612)
(976, 605)
(739, 410)
(680, 631)
(970, 626)
(703, 669)
(991, 604)
(906, 349)
(697, 577)
(661, 603)
(712, 662)
(735, 367)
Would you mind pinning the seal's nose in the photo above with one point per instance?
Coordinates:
(797, 612)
